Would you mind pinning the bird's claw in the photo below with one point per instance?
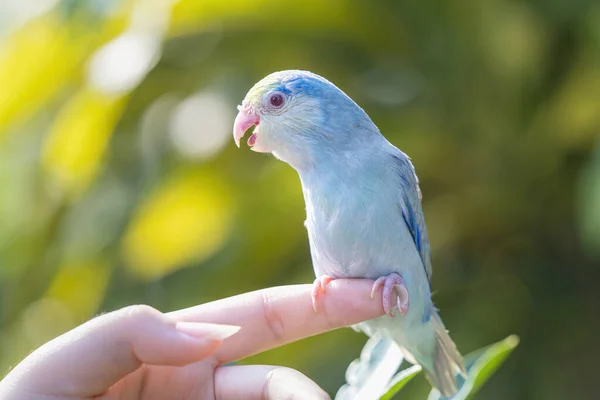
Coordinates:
(319, 287)
(392, 283)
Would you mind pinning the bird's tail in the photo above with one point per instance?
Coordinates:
(444, 363)
(447, 361)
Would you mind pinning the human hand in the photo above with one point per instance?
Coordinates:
(140, 353)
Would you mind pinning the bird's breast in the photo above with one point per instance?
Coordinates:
(358, 235)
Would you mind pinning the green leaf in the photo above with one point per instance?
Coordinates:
(367, 377)
(481, 364)
(399, 381)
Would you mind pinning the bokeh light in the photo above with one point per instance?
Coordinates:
(120, 184)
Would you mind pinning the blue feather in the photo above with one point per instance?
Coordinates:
(409, 202)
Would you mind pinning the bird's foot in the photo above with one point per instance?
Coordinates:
(391, 283)
(319, 287)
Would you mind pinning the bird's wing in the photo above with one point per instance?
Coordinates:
(410, 204)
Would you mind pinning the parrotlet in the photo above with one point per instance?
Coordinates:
(363, 208)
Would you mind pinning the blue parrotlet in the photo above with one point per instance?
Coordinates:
(363, 208)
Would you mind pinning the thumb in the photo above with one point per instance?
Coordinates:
(89, 359)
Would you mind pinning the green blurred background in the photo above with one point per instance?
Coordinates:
(120, 183)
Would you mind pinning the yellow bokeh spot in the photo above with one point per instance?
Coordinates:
(187, 219)
(36, 61)
(577, 108)
(46, 53)
(78, 140)
(193, 15)
(80, 286)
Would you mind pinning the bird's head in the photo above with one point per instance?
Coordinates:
(299, 117)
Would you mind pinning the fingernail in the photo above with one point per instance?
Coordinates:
(202, 330)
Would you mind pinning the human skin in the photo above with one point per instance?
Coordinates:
(140, 353)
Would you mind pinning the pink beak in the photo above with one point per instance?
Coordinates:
(244, 120)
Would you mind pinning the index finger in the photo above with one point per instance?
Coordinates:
(276, 316)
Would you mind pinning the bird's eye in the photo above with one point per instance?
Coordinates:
(276, 100)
